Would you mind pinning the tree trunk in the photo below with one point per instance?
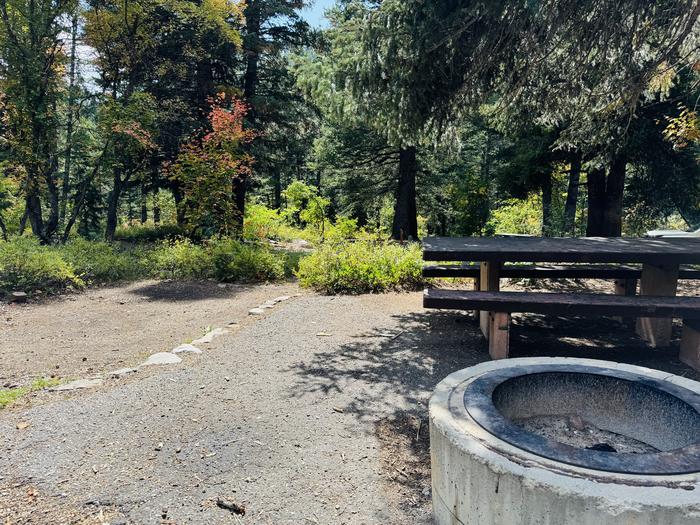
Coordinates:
(179, 204)
(144, 203)
(614, 191)
(572, 195)
(3, 229)
(596, 203)
(34, 214)
(113, 207)
(156, 209)
(547, 226)
(67, 166)
(251, 45)
(405, 225)
(277, 190)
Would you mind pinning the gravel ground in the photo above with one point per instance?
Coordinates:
(314, 413)
(108, 328)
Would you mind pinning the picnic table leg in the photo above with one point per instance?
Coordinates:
(626, 287)
(499, 336)
(662, 281)
(490, 282)
(690, 344)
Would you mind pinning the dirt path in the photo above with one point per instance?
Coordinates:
(110, 328)
(314, 413)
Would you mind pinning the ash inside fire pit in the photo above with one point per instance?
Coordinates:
(576, 432)
(611, 420)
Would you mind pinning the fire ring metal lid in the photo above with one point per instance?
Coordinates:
(479, 403)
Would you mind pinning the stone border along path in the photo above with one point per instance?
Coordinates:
(167, 358)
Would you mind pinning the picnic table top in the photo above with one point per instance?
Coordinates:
(553, 249)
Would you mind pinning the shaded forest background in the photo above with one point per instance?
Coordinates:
(129, 119)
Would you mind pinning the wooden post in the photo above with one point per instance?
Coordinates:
(626, 287)
(490, 282)
(661, 281)
(477, 287)
(690, 344)
(499, 335)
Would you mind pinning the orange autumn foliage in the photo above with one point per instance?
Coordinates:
(208, 167)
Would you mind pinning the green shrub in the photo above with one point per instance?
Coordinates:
(100, 262)
(236, 261)
(362, 267)
(517, 216)
(180, 259)
(149, 233)
(27, 266)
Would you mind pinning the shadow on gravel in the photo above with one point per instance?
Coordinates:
(187, 291)
(408, 362)
(393, 374)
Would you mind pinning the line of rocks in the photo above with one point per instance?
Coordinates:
(268, 305)
(165, 358)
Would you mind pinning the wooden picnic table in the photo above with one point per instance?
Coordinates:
(660, 259)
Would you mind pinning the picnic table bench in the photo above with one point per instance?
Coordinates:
(655, 308)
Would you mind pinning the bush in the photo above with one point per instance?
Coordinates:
(236, 261)
(180, 259)
(100, 262)
(138, 233)
(362, 267)
(27, 266)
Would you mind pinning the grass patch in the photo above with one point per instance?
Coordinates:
(11, 395)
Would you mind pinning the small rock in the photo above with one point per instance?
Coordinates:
(77, 385)
(22, 425)
(256, 311)
(210, 336)
(162, 358)
(116, 374)
(227, 379)
(159, 447)
(18, 297)
(186, 349)
(267, 306)
(221, 285)
(282, 299)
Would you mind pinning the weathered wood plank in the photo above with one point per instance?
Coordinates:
(564, 304)
(499, 335)
(584, 250)
(489, 281)
(690, 344)
(658, 281)
(580, 271)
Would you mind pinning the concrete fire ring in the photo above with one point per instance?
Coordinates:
(480, 479)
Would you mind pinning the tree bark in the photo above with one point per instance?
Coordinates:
(277, 189)
(3, 229)
(113, 207)
(614, 192)
(596, 203)
(68, 161)
(547, 226)
(144, 203)
(572, 195)
(405, 225)
(34, 215)
(251, 45)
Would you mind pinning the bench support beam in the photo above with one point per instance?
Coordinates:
(690, 344)
(628, 288)
(499, 335)
(489, 281)
(660, 281)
